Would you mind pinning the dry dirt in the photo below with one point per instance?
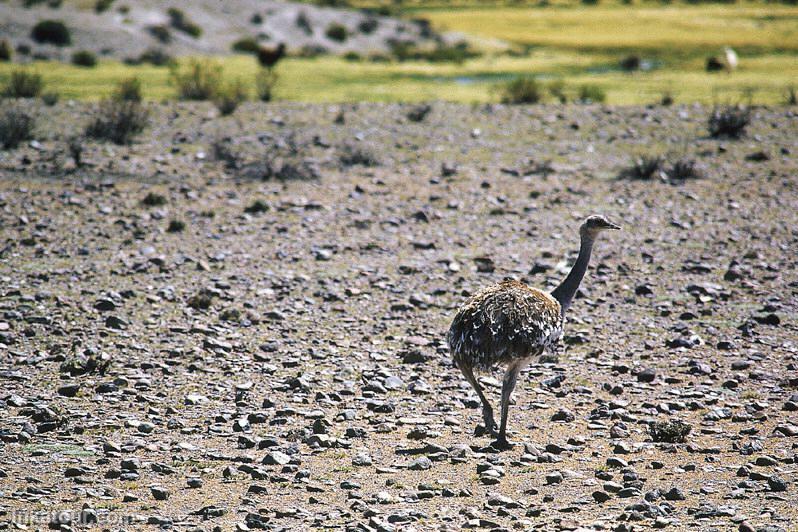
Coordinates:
(315, 389)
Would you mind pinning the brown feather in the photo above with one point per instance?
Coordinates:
(505, 322)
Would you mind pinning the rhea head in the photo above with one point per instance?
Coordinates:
(596, 224)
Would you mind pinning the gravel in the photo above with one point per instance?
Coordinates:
(309, 384)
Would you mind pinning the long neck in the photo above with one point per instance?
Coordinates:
(566, 291)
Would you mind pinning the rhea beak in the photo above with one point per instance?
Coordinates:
(613, 226)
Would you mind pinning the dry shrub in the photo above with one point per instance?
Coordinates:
(118, 121)
(16, 126)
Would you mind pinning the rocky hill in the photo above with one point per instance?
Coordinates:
(127, 29)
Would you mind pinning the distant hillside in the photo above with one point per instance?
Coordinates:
(127, 28)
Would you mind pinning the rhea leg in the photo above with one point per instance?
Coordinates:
(487, 410)
(508, 384)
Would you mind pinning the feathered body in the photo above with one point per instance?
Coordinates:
(510, 323)
(504, 323)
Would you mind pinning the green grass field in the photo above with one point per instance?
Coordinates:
(579, 45)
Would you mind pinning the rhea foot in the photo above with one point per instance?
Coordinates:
(501, 443)
(482, 430)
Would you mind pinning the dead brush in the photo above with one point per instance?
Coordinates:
(685, 168)
(281, 168)
(669, 431)
(358, 155)
(118, 121)
(221, 149)
(649, 167)
(16, 126)
(419, 112)
(645, 168)
(281, 160)
(729, 121)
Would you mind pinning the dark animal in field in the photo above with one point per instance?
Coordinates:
(728, 62)
(714, 64)
(510, 323)
(268, 57)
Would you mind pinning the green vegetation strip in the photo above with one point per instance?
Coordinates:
(578, 45)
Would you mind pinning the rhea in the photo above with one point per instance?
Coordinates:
(510, 324)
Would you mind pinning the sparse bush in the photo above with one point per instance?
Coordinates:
(84, 58)
(200, 81)
(591, 94)
(352, 56)
(101, 6)
(230, 314)
(443, 53)
(557, 90)
(280, 162)
(419, 112)
(180, 22)
(202, 300)
(6, 53)
(118, 121)
(222, 150)
(23, 84)
(424, 28)
(649, 167)
(161, 33)
(522, 90)
(645, 168)
(16, 126)
(455, 53)
(310, 51)
(75, 147)
(358, 154)
(630, 63)
(265, 81)
(667, 98)
(246, 45)
(368, 25)
(176, 226)
(51, 32)
(153, 199)
(790, 96)
(256, 207)
(155, 57)
(669, 431)
(685, 168)
(336, 32)
(128, 90)
(229, 97)
(379, 58)
(303, 23)
(50, 98)
(729, 121)
(256, 19)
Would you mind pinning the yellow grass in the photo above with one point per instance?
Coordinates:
(330, 79)
(669, 28)
(577, 44)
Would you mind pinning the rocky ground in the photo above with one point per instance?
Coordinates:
(187, 341)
